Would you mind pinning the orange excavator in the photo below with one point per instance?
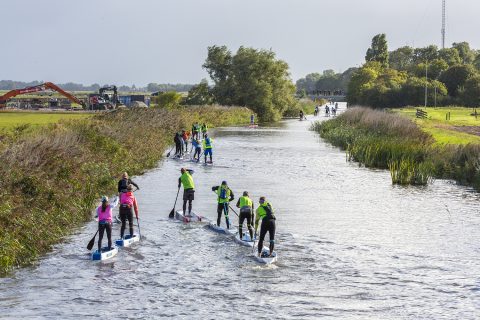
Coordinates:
(41, 87)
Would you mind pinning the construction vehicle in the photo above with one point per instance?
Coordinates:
(105, 99)
(41, 87)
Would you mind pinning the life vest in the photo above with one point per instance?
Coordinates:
(187, 181)
(127, 198)
(265, 211)
(223, 193)
(207, 143)
(245, 202)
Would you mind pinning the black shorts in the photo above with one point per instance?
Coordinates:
(188, 194)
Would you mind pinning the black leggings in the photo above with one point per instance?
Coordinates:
(245, 214)
(221, 208)
(179, 148)
(101, 228)
(126, 214)
(197, 153)
(268, 225)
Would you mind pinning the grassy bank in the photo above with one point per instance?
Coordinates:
(52, 177)
(461, 128)
(10, 120)
(391, 141)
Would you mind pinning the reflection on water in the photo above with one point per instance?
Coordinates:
(350, 245)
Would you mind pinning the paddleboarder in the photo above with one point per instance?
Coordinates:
(224, 196)
(207, 147)
(195, 130)
(186, 180)
(198, 149)
(178, 145)
(265, 213)
(104, 213)
(128, 203)
(246, 210)
(302, 116)
(124, 182)
(204, 130)
(185, 137)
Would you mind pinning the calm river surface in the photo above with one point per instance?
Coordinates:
(350, 245)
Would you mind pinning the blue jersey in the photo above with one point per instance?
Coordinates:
(195, 144)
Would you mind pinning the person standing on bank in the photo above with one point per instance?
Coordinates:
(265, 213)
(128, 203)
(186, 180)
(224, 196)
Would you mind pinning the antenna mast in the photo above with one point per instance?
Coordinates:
(443, 24)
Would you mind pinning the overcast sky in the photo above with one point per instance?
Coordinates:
(142, 41)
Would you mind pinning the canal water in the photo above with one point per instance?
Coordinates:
(350, 244)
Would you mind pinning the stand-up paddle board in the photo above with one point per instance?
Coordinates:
(127, 241)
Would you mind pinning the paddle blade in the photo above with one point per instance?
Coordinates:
(91, 243)
(168, 154)
(172, 213)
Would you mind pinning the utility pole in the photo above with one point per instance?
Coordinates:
(443, 24)
(426, 82)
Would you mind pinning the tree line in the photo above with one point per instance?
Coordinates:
(399, 78)
(327, 83)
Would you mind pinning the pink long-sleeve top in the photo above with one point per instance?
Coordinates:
(129, 199)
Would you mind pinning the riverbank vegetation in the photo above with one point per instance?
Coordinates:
(391, 141)
(52, 177)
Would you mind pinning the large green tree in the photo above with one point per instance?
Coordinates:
(450, 56)
(379, 50)
(420, 55)
(401, 58)
(471, 92)
(252, 78)
(455, 77)
(200, 94)
(467, 55)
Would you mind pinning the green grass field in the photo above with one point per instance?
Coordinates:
(452, 131)
(10, 120)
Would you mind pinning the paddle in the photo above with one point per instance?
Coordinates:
(172, 213)
(168, 154)
(233, 210)
(91, 243)
(139, 233)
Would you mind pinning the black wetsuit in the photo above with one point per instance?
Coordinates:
(268, 225)
(122, 185)
(245, 213)
(223, 208)
(126, 213)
